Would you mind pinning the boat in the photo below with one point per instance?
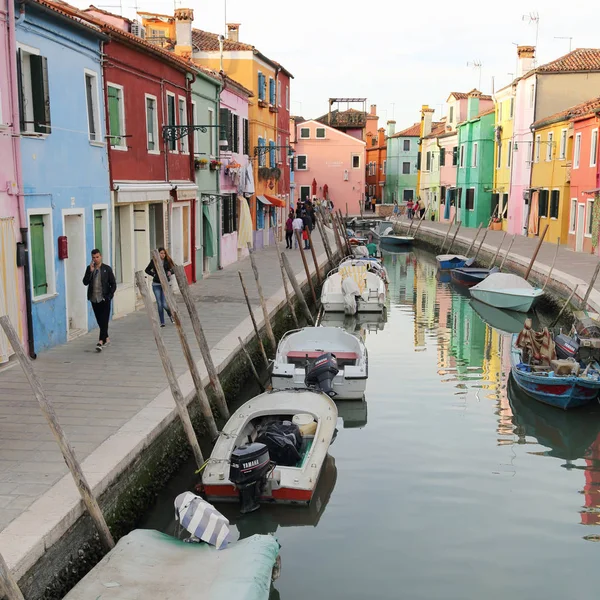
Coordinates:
(353, 288)
(271, 450)
(506, 321)
(354, 238)
(505, 290)
(559, 383)
(389, 239)
(374, 265)
(470, 276)
(299, 349)
(446, 262)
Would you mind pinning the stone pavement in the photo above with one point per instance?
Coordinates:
(98, 396)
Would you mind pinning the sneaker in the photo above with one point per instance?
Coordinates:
(98, 347)
(170, 317)
(162, 324)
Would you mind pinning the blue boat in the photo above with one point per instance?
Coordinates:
(470, 276)
(450, 261)
(562, 391)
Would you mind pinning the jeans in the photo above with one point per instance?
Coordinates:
(288, 239)
(102, 313)
(161, 302)
(296, 238)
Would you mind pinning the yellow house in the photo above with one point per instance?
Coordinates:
(550, 176)
(504, 100)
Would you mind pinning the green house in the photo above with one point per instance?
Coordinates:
(402, 165)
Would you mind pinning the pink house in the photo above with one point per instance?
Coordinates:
(12, 209)
(234, 98)
(328, 157)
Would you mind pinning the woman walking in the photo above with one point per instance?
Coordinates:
(159, 294)
(289, 231)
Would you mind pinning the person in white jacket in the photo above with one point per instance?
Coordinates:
(297, 225)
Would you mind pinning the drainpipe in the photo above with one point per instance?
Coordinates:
(219, 204)
(191, 139)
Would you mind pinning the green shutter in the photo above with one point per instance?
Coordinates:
(114, 116)
(98, 230)
(209, 238)
(38, 255)
(40, 93)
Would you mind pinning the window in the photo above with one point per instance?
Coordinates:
(454, 156)
(589, 208)
(320, 132)
(406, 145)
(538, 143)
(261, 86)
(34, 96)
(211, 132)
(229, 214)
(116, 117)
(549, 147)
(474, 157)
(462, 156)
(196, 134)
(41, 255)
(272, 156)
(278, 93)
(512, 108)
(287, 97)
(101, 231)
(151, 125)
(384, 166)
(594, 149)
(156, 224)
(531, 95)
(562, 153)
(272, 99)
(543, 203)
(183, 142)
(499, 111)
(304, 133)
(577, 151)
(93, 112)
(123, 228)
(509, 154)
(495, 205)
(227, 128)
(470, 199)
(260, 215)
(499, 156)
(405, 168)
(171, 119)
(262, 153)
(428, 161)
(451, 115)
(180, 228)
(246, 138)
(408, 195)
(356, 161)
(573, 215)
(278, 149)
(442, 157)
(554, 200)
(235, 133)
(301, 164)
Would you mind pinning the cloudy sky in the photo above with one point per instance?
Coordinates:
(399, 55)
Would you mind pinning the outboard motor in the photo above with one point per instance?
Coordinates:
(566, 347)
(321, 372)
(248, 469)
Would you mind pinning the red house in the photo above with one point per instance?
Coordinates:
(283, 130)
(585, 176)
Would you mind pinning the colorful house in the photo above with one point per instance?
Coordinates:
(328, 157)
(13, 220)
(357, 123)
(432, 161)
(376, 164)
(540, 92)
(402, 164)
(475, 178)
(65, 171)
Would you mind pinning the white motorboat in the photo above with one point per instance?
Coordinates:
(352, 288)
(299, 349)
(374, 265)
(508, 291)
(272, 449)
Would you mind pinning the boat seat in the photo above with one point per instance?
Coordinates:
(299, 354)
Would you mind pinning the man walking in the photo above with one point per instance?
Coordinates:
(102, 285)
(297, 225)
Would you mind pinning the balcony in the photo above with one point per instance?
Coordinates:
(263, 104)
(273, 108)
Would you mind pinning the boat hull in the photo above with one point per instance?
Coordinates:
(455, 262)
(505, 300)
(468, 277)
(396, 240)
(345, 389)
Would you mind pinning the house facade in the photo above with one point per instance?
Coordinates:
(402, 165)
(432, 161)
(328, 159)
(376, 164)
(64, 165)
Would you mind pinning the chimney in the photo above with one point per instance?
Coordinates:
(374, 109)
(183, 32)
(473, 104)
(426, 118)
(233, 32)
(391, 128)
(526, 59)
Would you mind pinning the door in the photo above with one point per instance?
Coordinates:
(580, 227)
(75, 265)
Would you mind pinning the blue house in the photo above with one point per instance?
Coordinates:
(65, 165)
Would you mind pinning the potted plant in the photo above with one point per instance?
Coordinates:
(215, 165)
(200, 163)
(496, 224)
(264, 173)
(275, 173)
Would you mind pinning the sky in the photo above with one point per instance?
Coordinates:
(398, 55)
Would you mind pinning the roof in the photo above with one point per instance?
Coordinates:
(91, 7)
(579, 110)
(346, 119)
(437, 129)
(465, 95)
(337, 131)
(412, 131)
(63, 9)
(579, 60)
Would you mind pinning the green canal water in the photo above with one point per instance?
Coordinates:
(445, 483)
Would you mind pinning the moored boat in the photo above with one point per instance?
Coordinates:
(470, 276)
(388, 238)
(446, 262)
(374, 265)
(505, 290)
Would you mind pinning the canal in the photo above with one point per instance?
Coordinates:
(445, 483)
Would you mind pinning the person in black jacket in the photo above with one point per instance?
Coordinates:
(102, 285)
(159, 294)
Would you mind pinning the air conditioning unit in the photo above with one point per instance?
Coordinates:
(346, 175)
(138, 29)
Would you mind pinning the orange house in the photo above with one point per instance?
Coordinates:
(375, 164)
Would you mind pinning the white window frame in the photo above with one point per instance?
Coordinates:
(176, 151)
(304, 137)
(287, 97)
(211, 132)
(499, 155)
(589, 208)
(27, 90)
(196, 132)
(550, 145)
(278, 92)
(352, 161)
(538, 144)
(594, 148)
(95, 109)
(451, 114)
(461, 158)
(562, 153)
(573, 216)
(184, 146)
(48, 252)
(305, 156)
(106, 245)
(577, 152)
(156, 141)
(122, 148)
(509, 154)
(317, 136)
(308, 187)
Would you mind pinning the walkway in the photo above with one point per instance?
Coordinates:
(110, 404)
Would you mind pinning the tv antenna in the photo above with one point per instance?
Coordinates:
(476, 64)
(534, 17)
(565, 38)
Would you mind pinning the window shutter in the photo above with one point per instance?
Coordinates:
(230, 142)
(113, 117)
(554, 200)
(38, 255)
(40, 93)
(225, 126)
(442, 157)
(20, 86)
(272, 92)
(272, 158)
(246, 138)
(494, 206)
(543, 203)
(236, 133)
(419, 161)
(98, 230)
(454, 156)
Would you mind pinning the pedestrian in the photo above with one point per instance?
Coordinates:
(159, 293)
(289, 231)
(410, 208)
(373, 203)
(101, 284)
(421, 208)
(367, 202)
(306, 227)
(297, 225)
(396, 209)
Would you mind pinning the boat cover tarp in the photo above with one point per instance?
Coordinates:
(538, 345)
(150, 564)
(202, 520)
(358, 273)
(350, 291)
(504, 281)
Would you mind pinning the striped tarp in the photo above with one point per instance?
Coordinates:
(356, 272)
(202, 520)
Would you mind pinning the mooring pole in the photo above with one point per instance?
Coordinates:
(552, 268)
(256, 331)
(498, 250)
(455, 234)
(589, 290)
(59, 435)
(285, 285)
(11, 589)
(323, 235)
(473, 241)
(508, 251)
(314, 255)
(562, 310)
(297, 289)
(447, 234)
(306, 269)
(252, 367)
(480, 245)
(263, 303)
(537, 249)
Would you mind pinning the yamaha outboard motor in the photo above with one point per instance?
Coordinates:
(566, 346)
(321, 372)
(248, 469)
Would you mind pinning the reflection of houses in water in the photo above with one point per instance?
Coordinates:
(353, 413)
(444, 302)
(468, 336)
(401, 273)
(591, 489)
(425, 300)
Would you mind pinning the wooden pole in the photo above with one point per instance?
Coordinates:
(498, 250)
(455, 234)
(480, 245)
(508, 251)
(314, 255)
(252, 367)
(589, 290)
(562, 310)
(537, 249)
(344, 233)
(256, 331)
(447, 234)
(285, 285)
(346, 211)
(297, 289)
(306, 269)
(182, 409)
(261, 297)
(213, 375)
(185, 346)
(323, 235)
(554, 262)
(475, 238)
(338, 240)
(418, 226)
(11, 589)
(60, 436)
